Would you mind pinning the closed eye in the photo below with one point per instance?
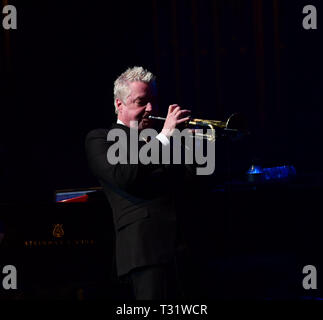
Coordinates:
(142, 102)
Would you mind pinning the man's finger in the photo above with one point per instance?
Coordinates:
(172, 107)
(184, 111)
(176, 110)
(183, 120)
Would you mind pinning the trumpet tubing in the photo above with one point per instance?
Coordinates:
(234, 124)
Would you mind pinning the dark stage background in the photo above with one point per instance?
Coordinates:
(216, 57)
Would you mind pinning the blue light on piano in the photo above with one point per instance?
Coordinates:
(277, 173)
(272, 173)
(255, 170)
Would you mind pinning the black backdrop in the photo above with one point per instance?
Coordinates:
(217, 57)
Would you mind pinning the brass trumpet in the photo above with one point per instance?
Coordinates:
(234, 126)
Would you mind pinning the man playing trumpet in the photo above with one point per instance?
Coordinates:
(142, 197)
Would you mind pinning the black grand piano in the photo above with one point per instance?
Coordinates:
(62, 249)
(248, 239)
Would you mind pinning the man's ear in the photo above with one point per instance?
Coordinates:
(119, 105)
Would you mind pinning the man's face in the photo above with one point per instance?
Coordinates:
(139, 105)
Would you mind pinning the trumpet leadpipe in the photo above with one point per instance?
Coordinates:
(157, 118)
(193, 122)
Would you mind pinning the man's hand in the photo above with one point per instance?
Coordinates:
(175, 117)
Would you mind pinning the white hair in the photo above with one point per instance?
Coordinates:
(121, 85)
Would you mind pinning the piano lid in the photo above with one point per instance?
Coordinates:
(75, 195)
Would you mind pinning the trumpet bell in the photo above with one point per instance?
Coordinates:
(235, 127)
(237, 122)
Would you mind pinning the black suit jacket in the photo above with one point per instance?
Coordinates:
(142, 198)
